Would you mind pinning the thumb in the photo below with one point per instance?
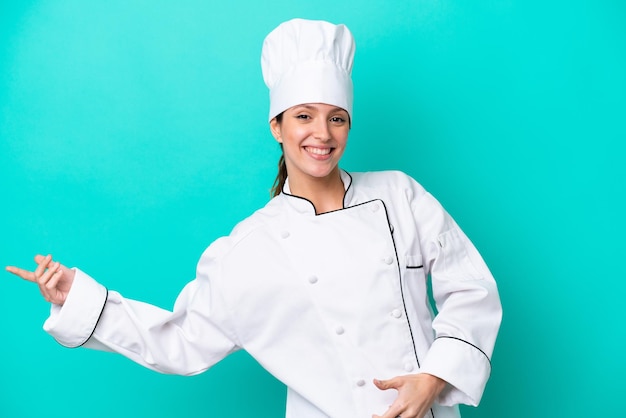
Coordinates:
(386, 384)
(39, 258)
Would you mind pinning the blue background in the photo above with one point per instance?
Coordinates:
(133, 134)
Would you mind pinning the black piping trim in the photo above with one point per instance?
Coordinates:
(401, 289)
(348, 188)
(415, 267)
(345, 194)
(432, 413)
(303, 198)
(106, 297)
(466, 342)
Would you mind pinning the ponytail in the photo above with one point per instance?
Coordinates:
(279, 182)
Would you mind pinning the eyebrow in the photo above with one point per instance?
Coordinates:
(313, 107)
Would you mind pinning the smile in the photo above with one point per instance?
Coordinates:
(318, 151)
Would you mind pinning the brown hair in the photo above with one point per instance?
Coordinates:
(279, 182)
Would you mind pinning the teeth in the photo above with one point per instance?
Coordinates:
(318, 151)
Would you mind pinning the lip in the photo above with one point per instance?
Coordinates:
(318, 153)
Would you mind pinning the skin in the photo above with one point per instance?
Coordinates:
(53, 278)
(314, 137)
(416, 394)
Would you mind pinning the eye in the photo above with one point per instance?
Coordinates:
(337, 119)
(303, 116)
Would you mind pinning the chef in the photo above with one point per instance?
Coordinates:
(325, 286)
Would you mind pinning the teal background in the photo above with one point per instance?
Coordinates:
(133, 134)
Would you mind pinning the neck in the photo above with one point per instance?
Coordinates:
(326, 193)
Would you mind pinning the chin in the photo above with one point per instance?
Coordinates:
(321, 174)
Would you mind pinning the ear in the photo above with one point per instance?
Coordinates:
(275, 129)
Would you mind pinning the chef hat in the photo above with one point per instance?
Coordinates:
(308, 61)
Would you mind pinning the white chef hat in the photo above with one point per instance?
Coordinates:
(308, 61)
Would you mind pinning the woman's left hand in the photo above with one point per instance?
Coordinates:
(416, 394)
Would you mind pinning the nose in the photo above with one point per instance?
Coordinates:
(322, 131)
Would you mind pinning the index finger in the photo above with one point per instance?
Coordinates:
(24, 274)
(394, 411)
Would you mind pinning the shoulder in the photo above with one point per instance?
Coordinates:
(260, 219)
(389, 180)
(405, 199)
(255, 225)
(400, 192)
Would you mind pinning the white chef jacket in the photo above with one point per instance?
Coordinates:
(326, 303)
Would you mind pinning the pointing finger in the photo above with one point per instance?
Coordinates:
(24, 274)
(394, 411)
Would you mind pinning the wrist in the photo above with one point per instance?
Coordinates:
(436, 384)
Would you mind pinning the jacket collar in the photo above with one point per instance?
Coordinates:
(305, 206)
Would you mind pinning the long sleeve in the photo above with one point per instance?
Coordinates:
(187, 340)
(74, 323)
(468, 305)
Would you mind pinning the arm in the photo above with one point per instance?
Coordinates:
(457, 365)
(187, 340)
(468, 305)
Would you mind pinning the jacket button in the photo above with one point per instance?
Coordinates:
(360, 382)
(339, 330)
(284, 234)
(388, 260)
(397, 313)
(408, 367)
(375, 207)
(313, 279)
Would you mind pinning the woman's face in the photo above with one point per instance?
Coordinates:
(314, 137)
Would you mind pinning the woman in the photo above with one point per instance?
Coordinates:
(326, 285)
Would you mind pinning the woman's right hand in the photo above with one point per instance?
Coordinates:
(53, 278)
